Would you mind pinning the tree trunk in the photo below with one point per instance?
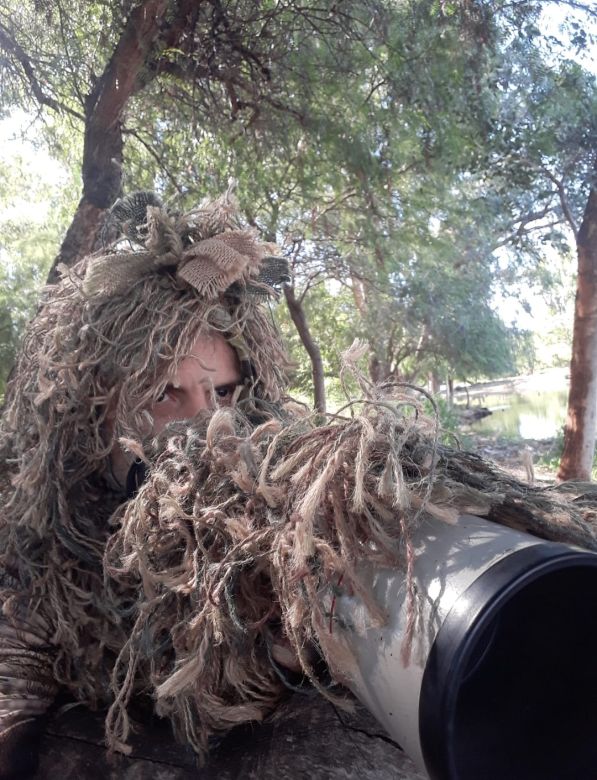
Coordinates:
(450, 391)
(380, 366)
(579, 433)
(358, 293)
(103, 144)
(433, 383)
(297, 314)
(379, 369)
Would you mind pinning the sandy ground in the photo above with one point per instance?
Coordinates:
(515, 456)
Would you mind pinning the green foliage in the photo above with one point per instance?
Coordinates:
(404, 154)
(35, 214)
(19, 287)
(552, 459)
(449, 422)
(334, 320)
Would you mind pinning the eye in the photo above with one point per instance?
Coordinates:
(225, 391)
(165, 395)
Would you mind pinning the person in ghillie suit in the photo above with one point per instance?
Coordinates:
(101, 353)
(172, 521)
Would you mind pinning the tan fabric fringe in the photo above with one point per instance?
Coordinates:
(238, 531)
(87, 360)
(205, 247)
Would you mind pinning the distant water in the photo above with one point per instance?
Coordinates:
(530, 415)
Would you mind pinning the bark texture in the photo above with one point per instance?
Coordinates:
(297, 314)
(306, 738)
(579, 433)
(103, 142)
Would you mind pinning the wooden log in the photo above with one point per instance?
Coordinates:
(306, 738)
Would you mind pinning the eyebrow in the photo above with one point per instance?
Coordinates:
(208, 382)
(230, 385)
(230, 380)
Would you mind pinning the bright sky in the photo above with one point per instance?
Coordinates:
(555, 20)
(19, 138)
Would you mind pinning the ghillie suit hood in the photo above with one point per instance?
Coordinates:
(104, 343)
(240, 532)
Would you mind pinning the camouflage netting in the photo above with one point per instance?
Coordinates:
(101, 349)
(240, 532)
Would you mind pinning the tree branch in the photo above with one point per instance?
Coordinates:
(10, 45)
(297, 314)
(104, 106)
(310, 283)
(183, 25)
(117, 83)
(65, 45)
(524, 230)
(563, 200)
(586, 8)
(149, 148)
(103, 144)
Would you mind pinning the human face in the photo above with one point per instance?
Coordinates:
(206, 379)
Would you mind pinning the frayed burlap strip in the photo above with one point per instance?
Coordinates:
(238, 534)
(210, 265)
(88, 374)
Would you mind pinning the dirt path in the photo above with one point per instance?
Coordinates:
(516, 456)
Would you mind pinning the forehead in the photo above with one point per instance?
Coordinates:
(209, 355)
